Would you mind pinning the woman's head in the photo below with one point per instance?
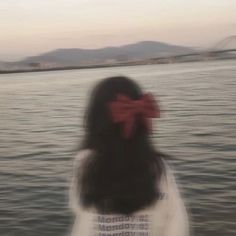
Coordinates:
(100, 128)
(122, 175)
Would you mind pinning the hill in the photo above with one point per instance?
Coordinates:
(82, 57)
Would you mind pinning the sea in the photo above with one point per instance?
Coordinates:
(41, 128)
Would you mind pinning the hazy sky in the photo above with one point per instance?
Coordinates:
(30, 27)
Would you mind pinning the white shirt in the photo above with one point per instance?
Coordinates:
(167, 217)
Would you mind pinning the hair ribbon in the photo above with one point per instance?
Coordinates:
(124, 109)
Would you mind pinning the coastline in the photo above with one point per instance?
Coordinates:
(125, 64)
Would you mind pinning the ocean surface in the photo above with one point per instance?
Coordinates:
(41, 126)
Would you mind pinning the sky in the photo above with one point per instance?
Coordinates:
(31, 27)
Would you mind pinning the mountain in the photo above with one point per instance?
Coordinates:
(3, 65)
(80, 57)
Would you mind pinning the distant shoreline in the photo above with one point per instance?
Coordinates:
(136, 63)
(57, 69)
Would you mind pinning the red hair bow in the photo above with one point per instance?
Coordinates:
(123, 110)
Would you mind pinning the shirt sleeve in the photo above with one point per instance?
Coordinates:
(73, 185)
(177, 223)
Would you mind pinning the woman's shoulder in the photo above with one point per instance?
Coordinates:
(81, 155)
(77, 164)
(168, 169)
(168, 179)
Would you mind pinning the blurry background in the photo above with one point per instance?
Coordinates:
(41, 114)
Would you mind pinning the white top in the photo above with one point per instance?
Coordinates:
(168, 217)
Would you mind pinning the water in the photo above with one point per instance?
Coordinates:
(41, 126)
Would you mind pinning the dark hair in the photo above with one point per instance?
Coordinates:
(121, 175)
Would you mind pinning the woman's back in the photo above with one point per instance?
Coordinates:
(166, 216)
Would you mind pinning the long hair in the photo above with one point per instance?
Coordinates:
(121, 175)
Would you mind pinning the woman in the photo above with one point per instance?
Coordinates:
(121, 185)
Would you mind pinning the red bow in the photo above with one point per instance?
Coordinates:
(123, 110)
